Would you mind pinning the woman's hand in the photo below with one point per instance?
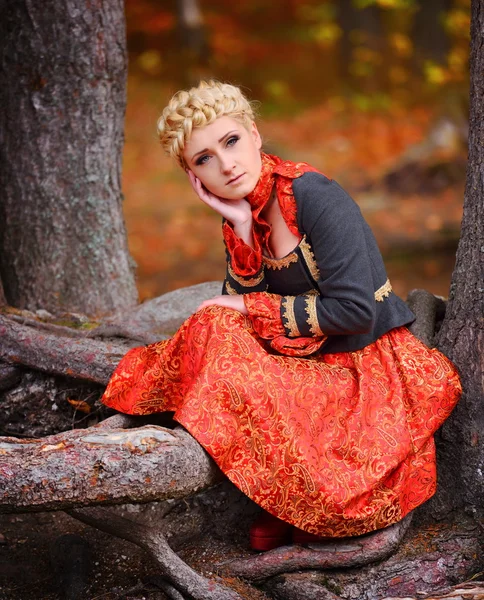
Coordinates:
(238, 212)
(234, 302)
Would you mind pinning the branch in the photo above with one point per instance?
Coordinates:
(101, 466)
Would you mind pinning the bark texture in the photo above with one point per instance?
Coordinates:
(78, 357)
(334, 554)
(101, 466)
(62, 90)
(461, 451)
(430, 559)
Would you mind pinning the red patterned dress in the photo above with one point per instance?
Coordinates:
(316, 415)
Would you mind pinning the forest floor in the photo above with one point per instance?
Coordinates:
(31, 558)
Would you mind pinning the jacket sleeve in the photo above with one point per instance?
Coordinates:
(338, 263)
(245, 275)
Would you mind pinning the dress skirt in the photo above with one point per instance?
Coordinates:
(335, 444)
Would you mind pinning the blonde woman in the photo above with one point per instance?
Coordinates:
(301, 379)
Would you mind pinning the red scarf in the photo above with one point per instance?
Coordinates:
(281, 172)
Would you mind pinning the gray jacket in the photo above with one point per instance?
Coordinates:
(334, 282)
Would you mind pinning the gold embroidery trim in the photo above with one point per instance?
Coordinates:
(309, 258)
(384, 291)
(230, 289)
(280, 263)
(312, 321)
(289, 315)
(246, 282)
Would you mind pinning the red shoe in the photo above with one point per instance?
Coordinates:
(268, 532)
(302, 537)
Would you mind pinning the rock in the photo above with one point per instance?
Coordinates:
(160, 317)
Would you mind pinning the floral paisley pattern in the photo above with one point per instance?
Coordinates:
(336, 444)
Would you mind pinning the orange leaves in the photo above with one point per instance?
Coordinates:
(80, 405)
(176, 241)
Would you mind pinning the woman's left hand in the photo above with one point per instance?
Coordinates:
(234, 302)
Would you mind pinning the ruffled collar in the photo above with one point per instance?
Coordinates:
(261, 194)
(286, 171)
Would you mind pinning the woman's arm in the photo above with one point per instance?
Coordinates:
(338, 251)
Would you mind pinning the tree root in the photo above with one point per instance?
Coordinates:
(178, 574)
(428, 309)
(155, 319)
(113, 463)
(429, 558)
(100, 465)
(91, 360)
(60, 350)
(343, 552)
(9, 376)
(463, 591)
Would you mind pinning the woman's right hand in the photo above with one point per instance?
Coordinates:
(238, 212)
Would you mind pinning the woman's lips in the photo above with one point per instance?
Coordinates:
(235, 179)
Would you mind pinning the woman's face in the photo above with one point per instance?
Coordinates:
(225, 156)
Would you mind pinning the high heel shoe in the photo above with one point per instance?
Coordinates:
(268, 532)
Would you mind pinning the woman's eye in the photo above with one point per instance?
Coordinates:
(201, 160)
(233, 140)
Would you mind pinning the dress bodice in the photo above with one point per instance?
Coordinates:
(294, 274)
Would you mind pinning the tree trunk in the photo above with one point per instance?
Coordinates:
(362, 29)
(431, 39)
(62, 90)
(462, 334)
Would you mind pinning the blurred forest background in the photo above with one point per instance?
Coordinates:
(374, 93)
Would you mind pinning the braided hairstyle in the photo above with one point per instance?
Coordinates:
(198, 107)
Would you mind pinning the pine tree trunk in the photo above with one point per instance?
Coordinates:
(462, 333)
(62, 90)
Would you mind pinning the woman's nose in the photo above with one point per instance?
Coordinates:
(226, 164)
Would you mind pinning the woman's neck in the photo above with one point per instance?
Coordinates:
(281, 241)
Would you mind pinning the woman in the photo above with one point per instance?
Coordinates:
(301, 380)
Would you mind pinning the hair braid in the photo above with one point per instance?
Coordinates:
(198, 107)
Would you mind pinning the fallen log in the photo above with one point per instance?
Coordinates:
(101, 466)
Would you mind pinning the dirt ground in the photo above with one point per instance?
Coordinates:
(32, 558)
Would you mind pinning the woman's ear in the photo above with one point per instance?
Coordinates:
(256, 135)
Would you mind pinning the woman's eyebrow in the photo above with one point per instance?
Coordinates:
(219, 141)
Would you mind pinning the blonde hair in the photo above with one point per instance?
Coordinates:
(198, 107)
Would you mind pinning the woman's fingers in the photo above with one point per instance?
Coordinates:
(204, 195)
(233, 302)
(235, 211)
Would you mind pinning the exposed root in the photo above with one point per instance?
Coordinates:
(343, 552)
(428, 309)
(178, 574)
